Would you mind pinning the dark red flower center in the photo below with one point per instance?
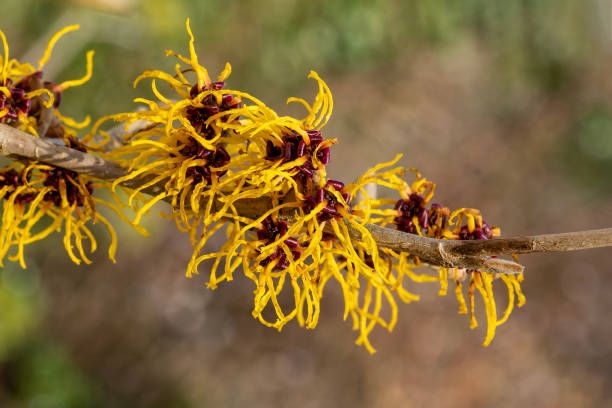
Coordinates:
(270, 232)
(413, 207)
(214, 159)
(197, 116)
(294, 147)
(323, 194)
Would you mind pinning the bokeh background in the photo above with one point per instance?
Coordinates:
(506, 104)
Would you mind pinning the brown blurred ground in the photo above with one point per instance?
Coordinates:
(146, 336)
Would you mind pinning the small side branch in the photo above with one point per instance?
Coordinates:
(568, 241)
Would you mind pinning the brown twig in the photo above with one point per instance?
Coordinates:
(17, 144)
(567, 241)
(459, 254)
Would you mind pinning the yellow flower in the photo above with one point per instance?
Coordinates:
(411, 214)
(29, 103)
(208, 150)
(39, 199)
(210, 147)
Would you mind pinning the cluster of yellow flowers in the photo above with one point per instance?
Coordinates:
(411, 214)
(210, 150)
(38, 199)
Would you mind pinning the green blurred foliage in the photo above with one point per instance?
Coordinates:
(273, 44)
(43, 376)
(19, 305)
(587, 154)
(35, 373)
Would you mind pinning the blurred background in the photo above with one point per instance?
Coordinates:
(505, 104)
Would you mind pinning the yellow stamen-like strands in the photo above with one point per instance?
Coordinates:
(52, 42)
(48, 103)
(76, 82)
(21, 219)
(5, 62)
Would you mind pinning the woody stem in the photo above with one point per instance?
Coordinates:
(454, 254)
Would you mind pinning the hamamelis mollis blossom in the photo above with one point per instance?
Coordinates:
(30, 103)
(414, 214)
(39, 199)
(206, 148)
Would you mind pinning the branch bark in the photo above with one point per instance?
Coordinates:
(447, 253)
(20, 145)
